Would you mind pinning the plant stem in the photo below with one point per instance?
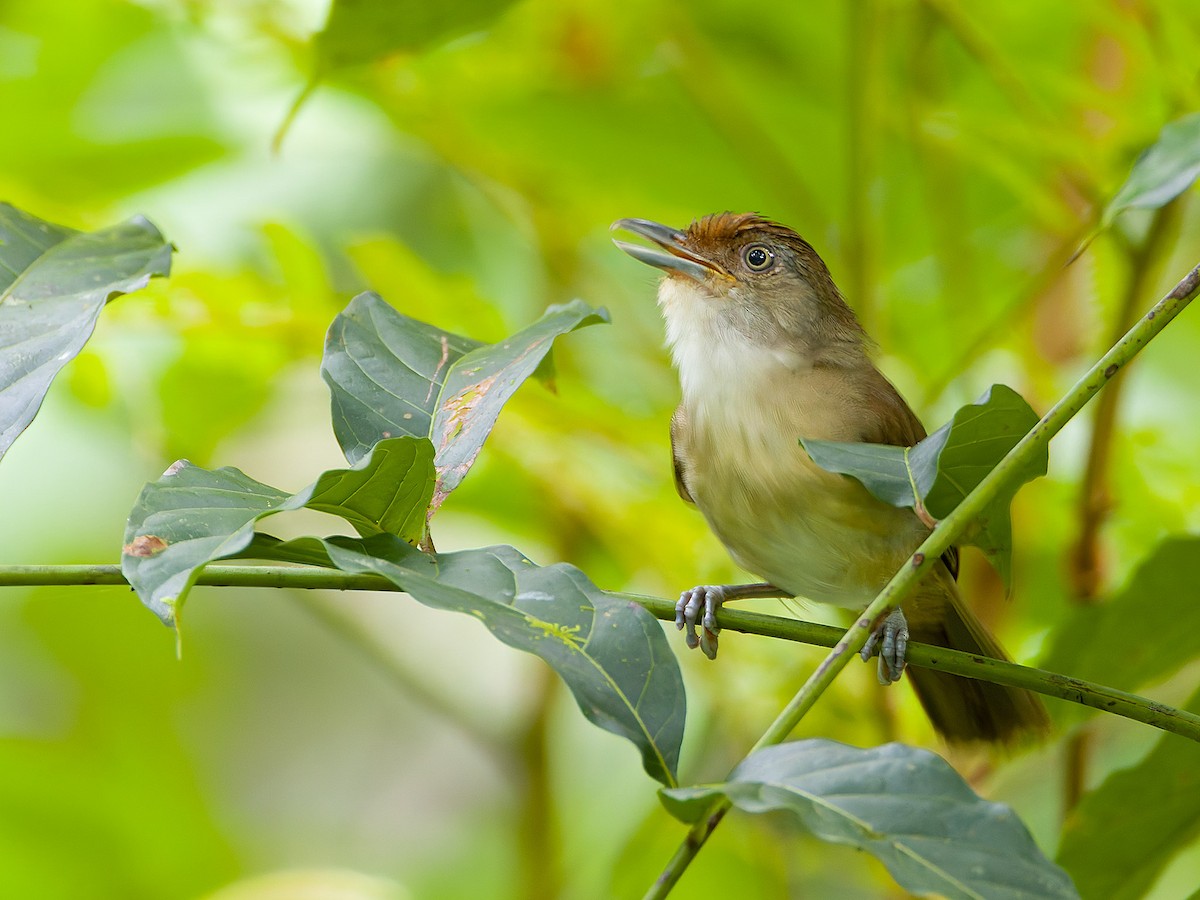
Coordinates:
(939, 540)
(1095, 498)
(955, 662)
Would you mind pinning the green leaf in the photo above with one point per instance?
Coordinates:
(357, 32)
(391, 375)
(53, 283)
(1125, 831)
(1162, 172)
(1121, 642)
(938, 473)
(192, 516)
(611, 653)
(882, 468)
(907, 807)
(385, 493)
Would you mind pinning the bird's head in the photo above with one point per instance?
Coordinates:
(742, 277)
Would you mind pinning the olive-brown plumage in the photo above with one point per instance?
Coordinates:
(768, 352)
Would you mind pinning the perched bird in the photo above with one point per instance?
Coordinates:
(768, 352)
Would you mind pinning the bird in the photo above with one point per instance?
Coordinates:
(769, 352)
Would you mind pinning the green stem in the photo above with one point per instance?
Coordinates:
(940, 539)
(1052, 684)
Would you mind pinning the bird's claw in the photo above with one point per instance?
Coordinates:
(892, 636)
(706, 597)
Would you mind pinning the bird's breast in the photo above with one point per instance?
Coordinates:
(809, 531)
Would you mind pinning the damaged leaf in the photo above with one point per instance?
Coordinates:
(192, 516)
(391, 375)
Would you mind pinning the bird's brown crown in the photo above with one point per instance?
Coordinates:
(715, 235)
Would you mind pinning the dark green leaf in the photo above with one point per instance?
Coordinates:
(1121, 642)
(905, 806)
(1124, 832)
(192, 516)
(53, 283)
(1163, 171)
(385, 373)
(611, 653)
(882, 468)
(947, 465)
(386, 493)
(391, 375)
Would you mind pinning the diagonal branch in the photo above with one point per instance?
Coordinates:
(939, 540)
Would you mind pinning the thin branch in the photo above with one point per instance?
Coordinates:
(1095, 498)
(1052, 684)
(940, 539)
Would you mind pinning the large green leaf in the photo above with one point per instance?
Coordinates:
(907, 807)
(611, 653)
(1121, 642)
(937, 474)
(391, 375)
(192, 516)
(53, 283)
(1164, 170)
(1124, 832)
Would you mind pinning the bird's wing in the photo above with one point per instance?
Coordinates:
(895, 423)
(678, 426)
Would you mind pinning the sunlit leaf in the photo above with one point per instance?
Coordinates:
(192, 516)
(938, 473)
(907, 807)
(392, 375)
(1121, 642)
(1165, 169)
(1125, 831)
(54, 281)
(611, 653)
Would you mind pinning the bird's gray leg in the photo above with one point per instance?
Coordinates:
(892, 648)
(710, 598)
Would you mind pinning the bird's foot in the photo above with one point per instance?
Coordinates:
(707, 598)
(892, 637)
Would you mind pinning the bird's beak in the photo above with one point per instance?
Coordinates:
(677, 259)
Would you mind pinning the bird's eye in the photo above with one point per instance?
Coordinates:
(758, 257)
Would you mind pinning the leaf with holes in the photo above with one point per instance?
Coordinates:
(54, 281)
(907, 807)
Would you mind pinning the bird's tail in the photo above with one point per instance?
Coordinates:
(966, 709)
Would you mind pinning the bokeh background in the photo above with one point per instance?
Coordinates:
(465, 161)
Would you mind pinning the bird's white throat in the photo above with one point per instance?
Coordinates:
(721, 369)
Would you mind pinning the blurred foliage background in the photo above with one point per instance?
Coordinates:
(465, 161)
